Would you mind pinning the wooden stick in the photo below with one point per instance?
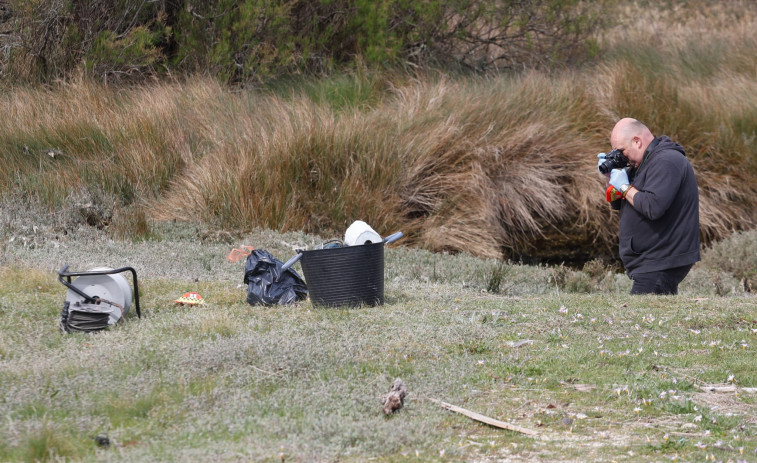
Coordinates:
(484, 418)
(727, 389)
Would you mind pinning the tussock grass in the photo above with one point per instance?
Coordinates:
(491, 157)
(284, 166)
(50, 443)
(460, 166)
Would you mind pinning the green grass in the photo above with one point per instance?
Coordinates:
(600, 375)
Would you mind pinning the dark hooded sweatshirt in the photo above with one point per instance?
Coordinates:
(661, 230)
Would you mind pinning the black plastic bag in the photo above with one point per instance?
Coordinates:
(267, 285)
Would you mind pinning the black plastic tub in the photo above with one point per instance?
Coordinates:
(345, 276)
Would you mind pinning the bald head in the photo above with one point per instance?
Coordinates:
(629, 128)
(632, 137)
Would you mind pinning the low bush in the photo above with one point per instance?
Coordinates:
(736, 255)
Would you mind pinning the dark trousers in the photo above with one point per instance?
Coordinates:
(662, 282)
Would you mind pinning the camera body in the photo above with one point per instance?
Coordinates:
(613, 160)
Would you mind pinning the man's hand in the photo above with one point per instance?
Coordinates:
(619, 179)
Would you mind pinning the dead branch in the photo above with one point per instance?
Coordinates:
(727, 389)
(484, 418)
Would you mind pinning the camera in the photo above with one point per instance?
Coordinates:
(613, 160)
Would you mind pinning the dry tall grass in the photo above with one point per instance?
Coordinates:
(497, 167)
(482, 166)
(500, 166)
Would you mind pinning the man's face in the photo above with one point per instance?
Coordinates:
(632, 149)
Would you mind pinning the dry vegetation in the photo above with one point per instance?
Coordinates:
(498, 167)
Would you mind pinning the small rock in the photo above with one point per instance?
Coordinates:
(102, 441)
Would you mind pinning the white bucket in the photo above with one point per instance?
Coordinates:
(113, 288)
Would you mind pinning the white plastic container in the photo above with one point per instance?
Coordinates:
(361, 233)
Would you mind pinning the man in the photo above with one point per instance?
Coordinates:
(658, 200)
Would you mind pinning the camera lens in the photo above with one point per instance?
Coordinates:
(614, 160)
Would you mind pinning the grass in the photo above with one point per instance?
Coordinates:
(599, 374)
(169, 177)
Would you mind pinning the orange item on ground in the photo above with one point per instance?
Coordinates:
(190, 298)
(238, 254)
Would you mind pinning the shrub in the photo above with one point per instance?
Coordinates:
(254, 40)
(736, 255)
(110, 39)
(261, 40)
